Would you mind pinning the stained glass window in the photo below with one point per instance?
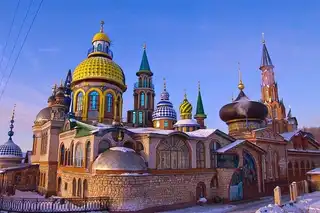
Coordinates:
(134, 117)
(109, 102)
(94, 100)
(214, 146)
(79, 104)
(165, 124)
(140, 118)
(142, 99)
(249, 168)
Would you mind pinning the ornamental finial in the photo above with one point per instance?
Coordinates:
(198, 86)
(164, 84)
(144, 45)
(10, 133)
(101, 26)
(263, 41)
(240, 85)
(185, 94)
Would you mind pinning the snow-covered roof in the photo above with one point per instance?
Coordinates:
(186, 122)
(315, 171)
(21, 166)
(305, 151)
(288, 135)
(230, 146)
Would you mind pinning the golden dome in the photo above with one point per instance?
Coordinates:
(185, 107)
(100, 36)
(100, 68)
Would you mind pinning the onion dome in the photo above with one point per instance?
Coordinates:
(99, 64)
(164, 108)
(121, 159)
(9, 149)
(144, 66)
(242, 108)
(185, 108)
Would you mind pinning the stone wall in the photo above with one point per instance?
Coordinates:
(224, 179)
(143, 191)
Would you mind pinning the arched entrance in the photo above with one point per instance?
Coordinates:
(250, 177)
(201, 190)
(236, 186)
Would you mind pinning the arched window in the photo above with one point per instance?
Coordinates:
(34, 147)
(62, 153)
(141, 99)
(94, 101)
(99, 47)
(74, 187)
(134, 117)
(78, 155)
(79, 188)
(173, 154)
(59, 184)
(109, 102)
(103, 146)
(290, 170)
(249, 168)
(296, 169)
(271, 163)
(85, 188)
(71, 154)
(302, 169)
(140, 118)
(88, 153)
(145, 82)
(44, 142)
(200, 155)
(214, 146)
(149, 101)
(79, 103)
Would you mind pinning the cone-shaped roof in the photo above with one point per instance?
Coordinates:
(144, 66)
(200, 110)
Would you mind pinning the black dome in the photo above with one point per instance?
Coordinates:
(243, 108)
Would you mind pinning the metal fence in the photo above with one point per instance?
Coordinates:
(92, 204)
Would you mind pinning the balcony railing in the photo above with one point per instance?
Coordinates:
(91, 204)
(106, 51)
(141, 85)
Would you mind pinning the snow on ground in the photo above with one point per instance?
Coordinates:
(205, 209)
(307, 203)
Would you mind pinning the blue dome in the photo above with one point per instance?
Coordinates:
(164, 108)
(10, 149)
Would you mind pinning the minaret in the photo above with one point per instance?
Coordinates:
(67, 91)
(270, 93)
(200, 115)
(143, 94)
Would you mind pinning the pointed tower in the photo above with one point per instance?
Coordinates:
(143, 96)
(10, 153)
(164, 116)
(200, 115)
(269, 93)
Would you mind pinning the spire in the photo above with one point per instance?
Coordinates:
(11, 133)
(289, 113)
(240, 85)
(185, 94)
(164, 95)
(144, 66)
(265, 59)
(200, 109)
(101, 26)
(164, 84)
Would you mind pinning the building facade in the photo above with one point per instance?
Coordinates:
(82, 148)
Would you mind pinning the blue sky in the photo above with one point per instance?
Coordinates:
(187, 41)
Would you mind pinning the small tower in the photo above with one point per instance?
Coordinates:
(10, 153)
(143, 95)
(186, 123)
(67, 91)
(59, 109)
(164, 116)
(200, 115)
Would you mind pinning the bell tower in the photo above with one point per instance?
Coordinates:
(269, 93)
(143, 96)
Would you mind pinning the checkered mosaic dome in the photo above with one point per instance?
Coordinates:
(164, 110)
(10, 149)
